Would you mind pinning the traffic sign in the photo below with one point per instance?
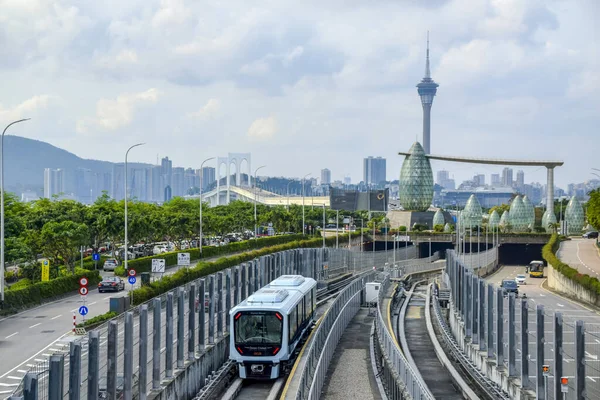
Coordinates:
(183, 258)
(45, 270)
(132, 279)
(95, 256)
(158, 265)
(83, 290)
(131, 272)
(546, 370)
(83, 281)
(46, 263)
(564, 384)
(83, 310)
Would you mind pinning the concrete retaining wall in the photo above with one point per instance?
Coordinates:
(562, 284)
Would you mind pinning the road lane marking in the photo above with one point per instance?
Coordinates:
(33, 326)
(11, 335)
(591, 379)
(106, 298)
(595, 357)
(91, 304)
(39, 359)
(17, 378)
(9, 384)
(22, 371)
(560, 305)
(58, 316)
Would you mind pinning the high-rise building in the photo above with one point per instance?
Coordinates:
(427, 89)
(166, 166)
(442, 176)
(495, 178)
(347, 180)
(520, 178)
(177, 182)
(507, 177)
(208, 177)
(154, 184)
(190, 180)
(138, 188)
(325, 176)
(117, 186)
(374, 171)
(54, 182)
(479, 180)
(83, 185)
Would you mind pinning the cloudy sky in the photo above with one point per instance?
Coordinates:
(304, 85)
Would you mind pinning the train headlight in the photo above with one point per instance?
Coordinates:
(257, 368)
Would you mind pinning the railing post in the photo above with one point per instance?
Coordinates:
(143, 355)
(499, 328)
(180, 328)
(558, 354)
(56, 377)
(524, 344)
(220, 304)
(128, 357)
(482, 344)
(169, 337)
(468, 304)
(111, 365)
(539, 358)
(30, 387)
(74, 370)
(256, 283)
(243, 284)
(250, 278)
(211, 309)
(191, 322)
(227, 297)
(474, 311)
(93, 365)
(201, 314)
(512, 337)
(579, 360)
(156, 344)
(236, 285)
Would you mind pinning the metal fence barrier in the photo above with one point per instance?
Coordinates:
(523, 338)
(400, 379)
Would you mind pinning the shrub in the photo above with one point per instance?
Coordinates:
(23, 283)
(549, 253)
(40, 292)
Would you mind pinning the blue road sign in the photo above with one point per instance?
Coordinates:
(83, 310)
(131, 280)
(95, 256)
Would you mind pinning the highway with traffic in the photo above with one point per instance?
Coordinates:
(582, 254)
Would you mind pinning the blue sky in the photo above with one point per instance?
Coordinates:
(306, 85)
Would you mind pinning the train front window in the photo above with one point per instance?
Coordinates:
(253, 327)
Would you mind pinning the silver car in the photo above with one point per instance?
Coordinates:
(110, 264)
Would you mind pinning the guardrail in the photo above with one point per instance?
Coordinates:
(401, 268)
(327, 336)
(401, 380)
(523, 340)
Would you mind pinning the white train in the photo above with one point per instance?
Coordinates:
(267, 327)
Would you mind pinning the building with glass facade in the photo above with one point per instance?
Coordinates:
(548, 219)
(530, 212)
(494, 220)
(519, 215)
(575, 217)
(504, 220)
(471, 214)
(416, 180)
(438, 218)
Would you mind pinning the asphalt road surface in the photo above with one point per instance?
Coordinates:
(582, 254)
(571, 311)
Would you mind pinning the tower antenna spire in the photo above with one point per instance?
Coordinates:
(427, 70)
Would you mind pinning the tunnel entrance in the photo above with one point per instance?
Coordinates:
(519, 254)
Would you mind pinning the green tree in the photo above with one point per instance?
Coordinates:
(593, 209)
(62, 240)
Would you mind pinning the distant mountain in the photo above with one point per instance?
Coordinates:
(26, 159)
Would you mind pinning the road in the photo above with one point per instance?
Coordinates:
(32, 335)
(537, 294)
(582, 254)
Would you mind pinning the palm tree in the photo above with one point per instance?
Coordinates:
(553, 226)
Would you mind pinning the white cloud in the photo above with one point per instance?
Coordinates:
(112, 114)
(210, 110)
(25, 109)
(263, 128)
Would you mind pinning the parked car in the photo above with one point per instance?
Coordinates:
(510, 286)
(110, 264)
(111, 283)
(521, 279)
(103, 387)
(590, 235)
(159, 250)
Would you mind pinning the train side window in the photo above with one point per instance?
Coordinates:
(292, 323)
(298, 315)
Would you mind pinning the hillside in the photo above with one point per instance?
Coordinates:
(26, 159)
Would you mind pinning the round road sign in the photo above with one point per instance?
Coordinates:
(132, 272)
(83, 281)
(83, 310)
(132, 280)
(83, 291)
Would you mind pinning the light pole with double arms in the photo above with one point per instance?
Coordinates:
(126, 250)
(202, 173)
(255, 192)
(2, 209)
(303, 224)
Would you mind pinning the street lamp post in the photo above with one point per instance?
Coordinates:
(126, 245)
(303, 223)
(255, 192)
(202, 173)
(2, 209)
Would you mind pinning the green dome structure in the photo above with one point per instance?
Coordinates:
(519, 218)
(547, 220)
(575, 217)
(504, 219)
(494, 220)
(530, 212)
(472, 214)
(416, 180)
(438, 218)
(447, 228)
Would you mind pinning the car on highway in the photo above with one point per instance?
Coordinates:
(110, 264)
(510, 286)
(111, 283)
(103, 387)
(590, 235)
(520, 279)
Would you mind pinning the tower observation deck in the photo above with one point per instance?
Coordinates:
(427, 89)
